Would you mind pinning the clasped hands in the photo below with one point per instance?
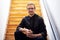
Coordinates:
(29, 33)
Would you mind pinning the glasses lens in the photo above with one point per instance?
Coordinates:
(30, 8)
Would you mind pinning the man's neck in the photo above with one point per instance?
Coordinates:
(31, 15)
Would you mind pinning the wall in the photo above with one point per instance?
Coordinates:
(46, 20)
(4, 13)
(54, 8)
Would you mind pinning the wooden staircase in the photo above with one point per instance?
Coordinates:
(17, 12)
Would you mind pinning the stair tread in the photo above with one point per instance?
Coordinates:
(12, 24)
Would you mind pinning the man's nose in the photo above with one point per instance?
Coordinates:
(30, 10)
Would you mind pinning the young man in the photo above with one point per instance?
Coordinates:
(32, 27)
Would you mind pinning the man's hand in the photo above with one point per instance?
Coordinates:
(29, 33)
(25, 31)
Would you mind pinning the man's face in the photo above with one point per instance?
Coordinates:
(30, 9)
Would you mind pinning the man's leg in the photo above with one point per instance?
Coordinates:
(39, 38)
(17, 35)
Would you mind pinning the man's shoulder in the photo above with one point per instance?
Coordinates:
(39, 17)
(26, 17)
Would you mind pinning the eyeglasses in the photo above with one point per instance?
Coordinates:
(30, 8)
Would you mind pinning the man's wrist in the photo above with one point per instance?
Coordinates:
(20, 28)
(39, 34)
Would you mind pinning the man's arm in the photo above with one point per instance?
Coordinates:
(21, 28)
(43, 28)
(21, 25)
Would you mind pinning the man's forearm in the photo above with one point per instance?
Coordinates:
(38, 35)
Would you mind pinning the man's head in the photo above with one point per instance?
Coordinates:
(31, 8)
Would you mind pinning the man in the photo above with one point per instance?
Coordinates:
(32, 27)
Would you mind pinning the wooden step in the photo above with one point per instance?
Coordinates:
(10, 34)
(20, 2)
(23, 8)
(16, 23)
(23, 5)
(18, 14)
(15, 18)
(20, 9)
(12, 26)
(9, 38)
(18, 17)
(16, 1)
(26, 11)
(11, 30)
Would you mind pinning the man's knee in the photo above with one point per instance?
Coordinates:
(18, 35)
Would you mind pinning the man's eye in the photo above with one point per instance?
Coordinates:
(30, 8)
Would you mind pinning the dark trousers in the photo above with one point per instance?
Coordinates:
(20, 36)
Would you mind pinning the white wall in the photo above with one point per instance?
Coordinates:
(49, 31)
(4, 13)
(54, 8)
